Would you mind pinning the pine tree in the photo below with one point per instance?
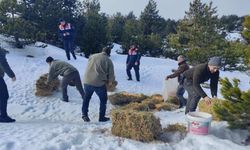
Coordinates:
(235, 109)
(246, 31)
(197, 34)
(131, 32)
(94, 34)
(116, 27)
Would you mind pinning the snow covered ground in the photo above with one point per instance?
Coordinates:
(47, 123)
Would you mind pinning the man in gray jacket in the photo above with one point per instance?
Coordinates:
(70, 75)
(99, 72)
(4, 95)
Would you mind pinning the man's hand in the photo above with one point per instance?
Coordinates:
(167, 78)
(136, 63)
(208, 100)
(13, 79)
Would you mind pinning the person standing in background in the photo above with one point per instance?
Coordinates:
(133, 61)
(4, 94)
(66, 32)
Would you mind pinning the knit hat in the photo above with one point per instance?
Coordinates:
(215, 61)
(49, 59)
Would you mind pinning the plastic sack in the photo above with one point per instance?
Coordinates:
(170, 88)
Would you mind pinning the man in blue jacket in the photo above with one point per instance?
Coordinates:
(133, 61)
(66, 32)
(4, 95)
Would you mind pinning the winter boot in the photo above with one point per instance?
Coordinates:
(85, 118)
(6, 119)
(104, 119)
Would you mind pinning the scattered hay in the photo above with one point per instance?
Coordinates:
(112, 87)
(173, 100)
(139, 106)
(142, 126)
(203, 107)
(124, 98)
(42, 89)
(166, 106)
(173, 133)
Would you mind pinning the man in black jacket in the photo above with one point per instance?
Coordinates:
(200, 74)
(183, 66)
(4, 95)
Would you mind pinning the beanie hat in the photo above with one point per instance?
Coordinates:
(49, 59)
(215, 61)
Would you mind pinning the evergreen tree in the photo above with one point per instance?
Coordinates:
(131, 32)
(151, 22)
(94, 34)
(13, 24)
(246, 31)
(231, 23)
(197, 34)
(235, 109)
(116, 25)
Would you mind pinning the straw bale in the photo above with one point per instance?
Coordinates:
(42, 89)
(203, 107)
(124, 98)
(112, 87)
(142, 126)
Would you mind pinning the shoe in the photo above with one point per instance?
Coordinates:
(64, 100)
(138, 80)
(6, 119)
(85, 118)
(104, 119)
(129, 78)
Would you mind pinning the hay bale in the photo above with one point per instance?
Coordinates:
(173, 133)
(175, 128)
(209, 109)
(173, 100)
(124, 98)
(42, 89)
(112, 87)
(141, 126)
(166, 106)
(139, 106)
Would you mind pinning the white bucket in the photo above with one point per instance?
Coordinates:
(199, 122)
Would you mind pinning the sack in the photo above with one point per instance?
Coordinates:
(170, 88)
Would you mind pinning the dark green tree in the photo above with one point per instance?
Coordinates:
(235, 109)
(246, 31)
(197, 34)
(94, 34)
(116, 27)
(150, 20)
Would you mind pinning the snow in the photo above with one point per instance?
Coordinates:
(47, 123)
(234, 36)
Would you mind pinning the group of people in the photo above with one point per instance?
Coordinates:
(190, 79)
(100, 72)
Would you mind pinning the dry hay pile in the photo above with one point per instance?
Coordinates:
(112, 87)
(42, 89)
(142, 126)
(135, 120)
(124, 98)
(173, 132)
(203, 107)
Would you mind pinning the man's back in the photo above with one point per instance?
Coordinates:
(99, 71)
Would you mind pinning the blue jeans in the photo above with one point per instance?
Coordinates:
(179, 93)
(101, 93)
(4, 95)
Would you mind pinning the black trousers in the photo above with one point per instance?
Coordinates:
(4, 96)
(136, 68)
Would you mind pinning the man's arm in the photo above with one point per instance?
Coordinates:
(111, 73)
(178, 72)
(5, 66)
(214, 84)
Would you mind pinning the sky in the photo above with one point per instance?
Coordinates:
(174, 9)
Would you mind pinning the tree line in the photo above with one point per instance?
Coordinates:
(199, 35)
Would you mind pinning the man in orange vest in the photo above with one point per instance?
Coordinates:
(66, 32)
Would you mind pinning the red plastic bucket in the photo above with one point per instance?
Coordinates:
(199, 122)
